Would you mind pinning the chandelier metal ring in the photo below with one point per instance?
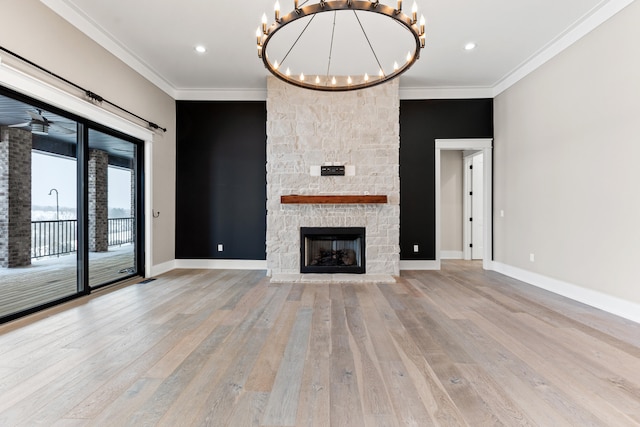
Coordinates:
(410, 23)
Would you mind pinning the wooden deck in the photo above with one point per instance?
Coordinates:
(55, 278)
(457, 347)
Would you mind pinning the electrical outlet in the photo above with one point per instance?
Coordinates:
(416, 248)
(532, 257)
(220, 247)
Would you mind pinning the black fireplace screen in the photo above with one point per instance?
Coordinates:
(332, 250)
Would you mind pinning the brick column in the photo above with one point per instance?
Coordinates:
(133, 213)
(15, 197)
(98, 201)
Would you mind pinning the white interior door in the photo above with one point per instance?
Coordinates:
(477, 197)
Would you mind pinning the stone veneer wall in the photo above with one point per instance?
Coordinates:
(308, 128)
(15, 197)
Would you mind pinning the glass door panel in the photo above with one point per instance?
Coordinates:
(112, 214)
(38, 207)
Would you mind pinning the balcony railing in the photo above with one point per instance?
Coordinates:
(54, 238)
(120, 231)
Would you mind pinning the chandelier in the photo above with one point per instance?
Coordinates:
(346, 48)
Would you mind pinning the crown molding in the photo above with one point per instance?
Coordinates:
(588, 23)
(98, 34)
(445, 92)
(221, 94)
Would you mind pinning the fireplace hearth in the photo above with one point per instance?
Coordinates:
(332, 250)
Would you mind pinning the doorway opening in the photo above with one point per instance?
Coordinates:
(480, 146)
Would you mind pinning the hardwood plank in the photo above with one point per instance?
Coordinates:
(375, 400)
(314, 408)
(407, 405)
(346, 406)
(249, 409)
(118, 411)
(264, 371)
(283, 401)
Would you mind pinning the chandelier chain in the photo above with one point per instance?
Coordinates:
(333, 31)
(296, 41)
(368, 41)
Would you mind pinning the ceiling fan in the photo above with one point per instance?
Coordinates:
(40, 125)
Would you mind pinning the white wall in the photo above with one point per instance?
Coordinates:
(451, 182)
(32, 30)
(567, 144)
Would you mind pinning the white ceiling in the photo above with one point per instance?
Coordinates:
(157, 39)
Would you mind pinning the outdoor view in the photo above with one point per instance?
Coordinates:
(54, 213)
(39, 223)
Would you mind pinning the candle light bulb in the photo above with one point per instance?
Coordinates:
(395, 66)
(302, 77)
(381, 73)
(366, 77)
(422, 24)
(259, 36)
(288, 72)
(349, 81)
(264, 23)
(414, 12)
(333, 80)
(317, 80)
(408, 56)
(275, 65)
(276, 9)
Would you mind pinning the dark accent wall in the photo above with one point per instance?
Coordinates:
(221, 179)
(421, 123)
(221, 175)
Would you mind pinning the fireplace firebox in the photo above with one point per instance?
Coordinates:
(332, 250)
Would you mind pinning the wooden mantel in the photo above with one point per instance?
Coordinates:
(333, 199)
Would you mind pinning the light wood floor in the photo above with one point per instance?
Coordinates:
(226, 348)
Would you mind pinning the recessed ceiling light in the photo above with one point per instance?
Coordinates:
(470, 46)
(200, 49)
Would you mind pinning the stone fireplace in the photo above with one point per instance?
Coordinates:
(308, 129)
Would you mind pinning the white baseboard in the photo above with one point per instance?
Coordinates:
(451, 255)
(614, 305)
(419, 265)
(161, 268)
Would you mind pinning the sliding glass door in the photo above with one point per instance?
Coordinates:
(70, 194)
(112, 208)
(38, 206)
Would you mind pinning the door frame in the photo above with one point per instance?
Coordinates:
(485, 145)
